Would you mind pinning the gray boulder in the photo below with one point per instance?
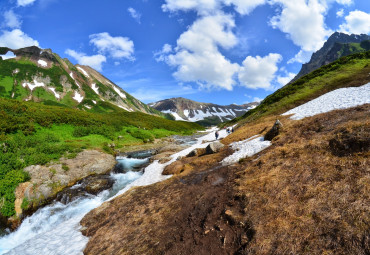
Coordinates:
(214, 147)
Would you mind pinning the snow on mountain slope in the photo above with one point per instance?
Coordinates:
(337, 99)
(188, 110)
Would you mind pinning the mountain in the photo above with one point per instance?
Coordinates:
(188, 110)
(338, 45)
(38, 75)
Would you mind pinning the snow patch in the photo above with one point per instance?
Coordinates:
(88, 106)
(83, 71)
(175, 114)
(246, 148)
(119, 92)
(55, 93)
(95, 88)
(78, 97)
(337, 99)
(94, 101)
(42, 63)
(33, 85)
(129, 110)
(186, 113)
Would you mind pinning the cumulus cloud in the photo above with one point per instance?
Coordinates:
(259, 72)
(11, 20)
(357, 22)
(134, 14)
(94, 61)
(16, 39)
(25, 2)
(197, 56)
(117, 47)
(283, 80)
(301, 57)
(303, 21)
(244, 7)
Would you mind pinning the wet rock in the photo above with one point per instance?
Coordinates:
(96, 184)
(214, 147)
(274, 131)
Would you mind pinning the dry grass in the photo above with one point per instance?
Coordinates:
(302, 198)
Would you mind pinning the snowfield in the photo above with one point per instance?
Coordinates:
(119, 92)
(95, 88)
(83, 71)
(42, 63)
(337, 99)
(246, 148)
(55, 93)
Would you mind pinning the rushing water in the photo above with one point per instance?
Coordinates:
(52, 229)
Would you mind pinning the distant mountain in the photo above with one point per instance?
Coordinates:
(205, 113)
(34, 74)
(338, 45)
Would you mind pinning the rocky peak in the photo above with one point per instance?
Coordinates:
(336, 46)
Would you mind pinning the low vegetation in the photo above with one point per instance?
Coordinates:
(31, 134)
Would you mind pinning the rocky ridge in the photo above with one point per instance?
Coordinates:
(189, 110)
(338, 45)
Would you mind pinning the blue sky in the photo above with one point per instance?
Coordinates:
(219, 51)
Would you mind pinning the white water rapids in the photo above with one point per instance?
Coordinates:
(54, 229)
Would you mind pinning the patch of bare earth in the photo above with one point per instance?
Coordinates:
(302, 195)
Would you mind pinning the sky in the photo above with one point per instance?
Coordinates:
(213, 51)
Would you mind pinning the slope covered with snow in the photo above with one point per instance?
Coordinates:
(337, 99)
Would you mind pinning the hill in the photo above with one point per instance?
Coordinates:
(338, 45)
(202, 113)
(38, 75)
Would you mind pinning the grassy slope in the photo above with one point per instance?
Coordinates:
(338, 74)
(32, 133)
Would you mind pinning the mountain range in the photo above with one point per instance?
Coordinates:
(338, 45)
(203, 113)
(34, 74)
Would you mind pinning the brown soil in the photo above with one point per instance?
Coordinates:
(296, 197)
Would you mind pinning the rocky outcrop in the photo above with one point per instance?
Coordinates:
(46, 181)
(337, 45)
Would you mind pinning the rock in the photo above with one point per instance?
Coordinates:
(274, 131)
(197, 152)
(214, 147)
(96, 184)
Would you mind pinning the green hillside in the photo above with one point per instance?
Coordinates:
(349, 71)
(32, 133)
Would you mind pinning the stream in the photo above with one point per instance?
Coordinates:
(55, 229)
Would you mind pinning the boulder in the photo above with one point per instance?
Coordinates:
(274, 131)
(214, 147)
(196, 152)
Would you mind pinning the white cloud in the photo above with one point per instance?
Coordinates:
(258, 72)
(162, 54)
(207, 7)
(94, 61)
(340, 13)
(257, 99)
(244, 7)
(303, 21)
(116, 47)
(357, 22)
(301, 57)
(16, 39)
(283, 80)
(344, 2)
(25, 2)
(197, 57)
(11, 20)
(134, 14)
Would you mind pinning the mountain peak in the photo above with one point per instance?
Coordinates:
(338, 45)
